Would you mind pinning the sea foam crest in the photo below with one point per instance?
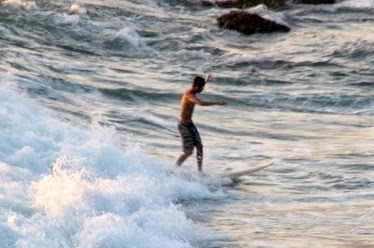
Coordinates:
(65, 19)
(124, 39)
(19, 4)
(66, 187)
(357, 4)
(77, 9)
(264, 12)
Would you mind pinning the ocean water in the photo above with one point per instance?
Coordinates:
(89, 101)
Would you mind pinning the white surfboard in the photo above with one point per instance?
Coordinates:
(236, 174)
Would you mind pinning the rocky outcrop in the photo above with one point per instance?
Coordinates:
(248, 23)
(315, 1)
(241, 4)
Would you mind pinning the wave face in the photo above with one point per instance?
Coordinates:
(66, 187)
(89, 102)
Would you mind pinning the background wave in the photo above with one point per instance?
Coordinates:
(86, 161)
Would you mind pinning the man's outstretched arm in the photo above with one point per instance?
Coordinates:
(197, 101)
(208, 78)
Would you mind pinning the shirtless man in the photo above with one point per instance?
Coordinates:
(190, 135)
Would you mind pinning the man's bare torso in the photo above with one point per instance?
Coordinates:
(187, 106)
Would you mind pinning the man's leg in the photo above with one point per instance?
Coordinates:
(184, 156)
(199, 157)
(199, 147)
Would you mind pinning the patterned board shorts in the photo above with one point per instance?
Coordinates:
(190, 135)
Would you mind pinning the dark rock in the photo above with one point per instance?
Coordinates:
(241, 4)
(250, 3)
(248, 23)
(316, 1)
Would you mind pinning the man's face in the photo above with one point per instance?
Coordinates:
(199, 89)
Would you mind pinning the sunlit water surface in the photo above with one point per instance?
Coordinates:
(86, 162)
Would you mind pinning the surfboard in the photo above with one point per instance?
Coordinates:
(216, 181)
(237, 174)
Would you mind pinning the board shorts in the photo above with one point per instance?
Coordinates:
(190, 135)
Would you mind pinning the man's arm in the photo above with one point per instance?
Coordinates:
(208, 78)
(197, 101)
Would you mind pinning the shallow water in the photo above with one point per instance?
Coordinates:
(89, 105)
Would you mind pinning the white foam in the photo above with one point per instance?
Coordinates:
(357, 4)
(264, 12)
(236, 58)
(131, 36)
(63, 186)
(65, 19)
(77, 9)
(19, 4)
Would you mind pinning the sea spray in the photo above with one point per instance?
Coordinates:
(67, 187)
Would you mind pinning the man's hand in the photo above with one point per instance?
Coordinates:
(222, 103)
(207, 78)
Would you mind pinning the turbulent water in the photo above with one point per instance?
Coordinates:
(89, 101)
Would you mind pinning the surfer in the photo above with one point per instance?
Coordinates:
(189, 134)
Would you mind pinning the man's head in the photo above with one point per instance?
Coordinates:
(198, 84)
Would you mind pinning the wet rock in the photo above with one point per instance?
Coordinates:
(241, 4)
(248, 23)
(315, 1)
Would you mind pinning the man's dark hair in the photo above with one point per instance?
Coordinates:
(198, 81)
